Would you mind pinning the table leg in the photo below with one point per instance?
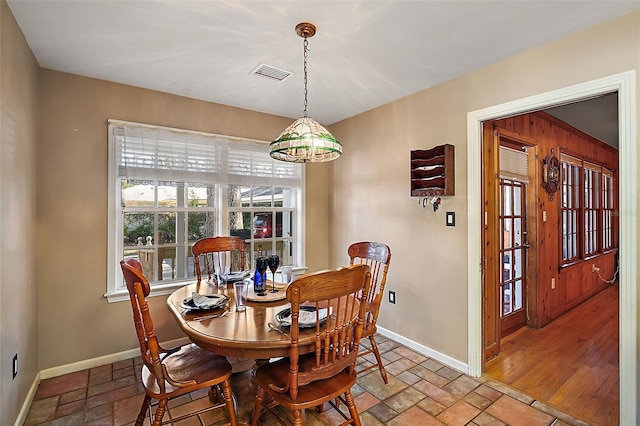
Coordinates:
(259, 363)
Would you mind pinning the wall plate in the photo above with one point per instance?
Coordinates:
(451, 218)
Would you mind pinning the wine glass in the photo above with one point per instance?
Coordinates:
(273, 260)
(261, 267)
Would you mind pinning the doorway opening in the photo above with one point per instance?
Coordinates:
(624, 85)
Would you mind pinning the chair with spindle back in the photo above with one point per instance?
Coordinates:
(378, 257)
(204, 251)
(205, 248)
(303, 381)
(169, 373)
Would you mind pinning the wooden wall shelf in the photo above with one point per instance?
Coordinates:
(433, 171)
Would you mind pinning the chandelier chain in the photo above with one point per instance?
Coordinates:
(306, 50)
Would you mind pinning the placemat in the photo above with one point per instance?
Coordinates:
(268, 297)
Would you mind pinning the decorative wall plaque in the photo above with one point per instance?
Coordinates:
(550, 174)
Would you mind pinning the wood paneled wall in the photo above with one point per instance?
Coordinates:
(577, 282)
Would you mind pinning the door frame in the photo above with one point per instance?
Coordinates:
(625, 85)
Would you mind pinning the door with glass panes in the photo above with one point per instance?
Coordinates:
(513, 251)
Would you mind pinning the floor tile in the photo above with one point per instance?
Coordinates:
(461, 386)
(365, 400)
(484, 419)
(409, 354)
(429, 376)
(397, 367)
(459, 414)
(61, 384)
(382, 412)
(514, 412)
(440, 395)
(432, 406)
(413, 417)
(404, 399)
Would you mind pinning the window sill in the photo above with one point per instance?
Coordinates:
(579, 262)
(122, 295)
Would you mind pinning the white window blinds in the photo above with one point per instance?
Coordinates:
(513, 164)
(145, 152)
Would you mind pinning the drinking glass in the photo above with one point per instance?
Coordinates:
(222, 267)
(240, 295)
(286, 271)
(273, 260)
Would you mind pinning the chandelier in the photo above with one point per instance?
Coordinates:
(306, 140)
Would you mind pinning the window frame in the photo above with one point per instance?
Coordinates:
(230, 171)
(589, 192)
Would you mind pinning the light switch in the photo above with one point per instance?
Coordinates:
(451, 218)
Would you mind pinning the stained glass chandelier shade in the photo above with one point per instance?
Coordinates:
(306, 140)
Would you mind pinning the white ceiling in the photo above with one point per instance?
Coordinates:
(365, 53)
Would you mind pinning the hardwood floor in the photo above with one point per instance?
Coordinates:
(571, 364)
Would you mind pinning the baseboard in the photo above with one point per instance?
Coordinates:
(24, 411)
(426, 351)
(79, 366)
(102, 360)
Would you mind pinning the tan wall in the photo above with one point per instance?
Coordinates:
(18, 283)
(429, 264)
(76, 322)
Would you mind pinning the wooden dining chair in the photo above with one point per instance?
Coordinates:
(204, 250)
(378, 257)
(169, 373)
(308, 380)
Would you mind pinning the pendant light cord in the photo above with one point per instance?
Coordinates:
(306, 50)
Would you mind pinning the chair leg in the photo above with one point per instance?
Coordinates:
(162, 407)
(228, 398)
(351, 404)
(257, 408)
(143, 410)
(374, 347)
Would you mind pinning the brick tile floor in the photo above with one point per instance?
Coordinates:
(421, 391)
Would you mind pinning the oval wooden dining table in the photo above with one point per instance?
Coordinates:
(243, 334)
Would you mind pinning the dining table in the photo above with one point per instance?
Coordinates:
(253, 333)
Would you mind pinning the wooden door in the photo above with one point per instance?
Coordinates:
(512, 282)
(495, 318)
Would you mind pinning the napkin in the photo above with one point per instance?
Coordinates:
(207, 302)
(305, 317)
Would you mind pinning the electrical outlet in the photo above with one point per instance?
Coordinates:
(392, 297)
(15, 365)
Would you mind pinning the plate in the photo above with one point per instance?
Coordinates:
(306, 319)
(190, 305)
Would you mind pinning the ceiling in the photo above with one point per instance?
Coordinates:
(365, 53)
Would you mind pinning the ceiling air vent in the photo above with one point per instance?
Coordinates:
(271, 73)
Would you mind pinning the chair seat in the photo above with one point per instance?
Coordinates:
(311, 395)
(190, 363)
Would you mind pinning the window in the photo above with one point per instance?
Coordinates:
(586, 209)
(607, 209)
(591, 206)
(570, 208)
(169, 188)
